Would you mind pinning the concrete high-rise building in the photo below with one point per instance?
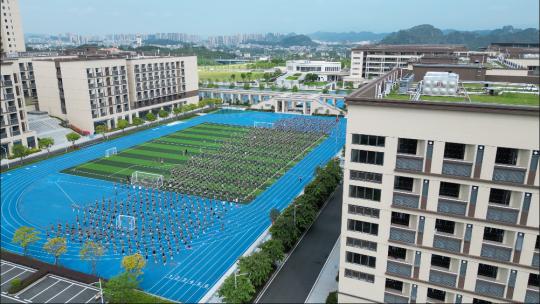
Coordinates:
(441, 201)
(12, 39)
(13, 121)
(91, 91)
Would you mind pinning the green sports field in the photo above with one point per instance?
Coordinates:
(211, 160)
(159, 155)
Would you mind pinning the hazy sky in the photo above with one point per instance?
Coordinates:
(209, 17)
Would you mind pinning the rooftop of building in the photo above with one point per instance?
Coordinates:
(485, 94)
(411, 47)
(106, 57)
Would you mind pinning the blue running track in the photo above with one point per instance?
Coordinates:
(39, 195)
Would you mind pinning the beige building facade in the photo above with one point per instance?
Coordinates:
(12, 35)
(441, 203)
(13, 121)
(91, 91)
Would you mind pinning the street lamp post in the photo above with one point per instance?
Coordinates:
(100, 290)
(236, 274)
(5, 151)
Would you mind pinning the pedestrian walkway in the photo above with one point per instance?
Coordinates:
(326, 282)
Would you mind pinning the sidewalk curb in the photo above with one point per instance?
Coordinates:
(274, 275)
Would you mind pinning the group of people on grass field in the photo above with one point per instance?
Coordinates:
(245, 163)
(152, 222)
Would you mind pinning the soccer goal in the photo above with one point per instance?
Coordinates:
(262, 124)
(145, 179)
(110, 152)
(125, 222)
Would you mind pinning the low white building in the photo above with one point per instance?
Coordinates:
(326, 70)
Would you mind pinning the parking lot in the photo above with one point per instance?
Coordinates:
(49, 289)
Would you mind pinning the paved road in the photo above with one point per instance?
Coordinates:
(294, 281)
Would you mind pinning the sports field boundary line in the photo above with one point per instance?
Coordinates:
(274, 275)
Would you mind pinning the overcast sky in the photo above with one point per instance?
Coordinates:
(211, 17)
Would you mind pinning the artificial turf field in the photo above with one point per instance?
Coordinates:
(40, 194)
(204, 141)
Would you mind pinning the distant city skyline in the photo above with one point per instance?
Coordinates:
(213, 17)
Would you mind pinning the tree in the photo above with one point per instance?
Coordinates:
(295, 88)
(162, 113)
(122, 124)
(247, 86)
(231, 86)
(137, 121)
(134, 264)
(261, 86)
(233, 76)
(311, 77)
(73, 137)
(258, 267)
(178, 110)
(285, 231)
(267, 76)
(20, 151)
(274, 249)
(249, 75)
(101, 129)
(325, 91)
(274, 213)
(46, 143)
(241, 292)
(150, 116)
(119, 289)
(91, 252)
(24, 236)
(56, 247)
(243, 76)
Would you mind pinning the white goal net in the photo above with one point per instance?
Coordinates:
(125, 222)
(145, 179)
(262, 124)
(110, 152)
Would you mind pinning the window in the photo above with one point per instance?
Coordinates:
(394, 284)
(436, 294)
(397, 252)
(453, 150)
(500, 196)
(399, 218)
(403, 183)
(361, 276)
(354, 242)
(506, 156)
(365, 193)
(487, 270)
(537, 244)
(367, 157)
(449, 189)
(445, 226)
(440, 261)
(368, 140)
(364, 227)
(480, 301)
(366, 211)
(366, 176)
(493, 234)
(360, 259)
(407, 146)
(533, 280)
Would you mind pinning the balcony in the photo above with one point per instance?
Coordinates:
(9, 96)
(15, 133)
(490, 289)
(403, 199)
(7, 83)
(393, 298)
(536, 259)
(442, 278)
(11, 109)
(447, 243)
(532, 296)
(509, 174)
(452, 206)
(409, 162)
(457, 168)
(99, 74)
(402, 235)
(502, 214)
(400, 269)
(13, 122)
(496, 252)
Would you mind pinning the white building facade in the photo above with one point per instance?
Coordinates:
(12, 35)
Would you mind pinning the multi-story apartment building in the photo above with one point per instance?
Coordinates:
(12, 36)
(441, 202)
(371, 61)
(14, 123)
(92, 91)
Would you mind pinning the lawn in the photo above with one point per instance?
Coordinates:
(226, 75)
(292, 78)
(505, 98)
(316, 83)
(222, 161)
